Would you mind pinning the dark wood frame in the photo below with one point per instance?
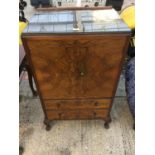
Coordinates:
(72, 8)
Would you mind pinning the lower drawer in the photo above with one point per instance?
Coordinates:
(77, 104)
(77, 114)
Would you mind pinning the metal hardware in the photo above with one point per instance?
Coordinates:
(82, 73)
(96, 103)
(60, 114)
(94, 113)
(58, 105)
(81, 67)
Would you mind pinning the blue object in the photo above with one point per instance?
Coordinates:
(130, 84)
(36, 3)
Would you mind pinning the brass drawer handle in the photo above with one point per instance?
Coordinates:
(77, 114)
(96, 103)
(94, 113)
(82, 73)
(58, 105)
(60, 114)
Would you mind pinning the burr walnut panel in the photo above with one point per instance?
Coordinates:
(76, 68)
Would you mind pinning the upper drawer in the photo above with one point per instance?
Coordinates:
(77, 67)
(77, 104)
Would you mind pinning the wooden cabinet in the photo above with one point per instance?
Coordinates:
(76, 72)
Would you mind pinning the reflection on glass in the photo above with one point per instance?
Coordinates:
(86, 21)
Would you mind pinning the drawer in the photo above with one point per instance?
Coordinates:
(77, 104)
(77, 114)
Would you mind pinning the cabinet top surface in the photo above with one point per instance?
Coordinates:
(79, 21)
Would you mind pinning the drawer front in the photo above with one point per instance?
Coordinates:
(77, 67)
(76, 104)
(77, 114)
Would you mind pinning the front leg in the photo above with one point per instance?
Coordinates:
(107, 121)
(47, 123)
(21, 150)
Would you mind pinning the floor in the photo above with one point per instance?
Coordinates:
(83, 137)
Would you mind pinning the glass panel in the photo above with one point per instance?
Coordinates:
(83, 21)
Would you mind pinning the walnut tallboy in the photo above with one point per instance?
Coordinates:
(76, 58)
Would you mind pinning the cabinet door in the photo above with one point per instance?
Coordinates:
(81, 66)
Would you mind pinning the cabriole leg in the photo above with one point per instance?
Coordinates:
(47, 123)
(107, 121)
(21, 150)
